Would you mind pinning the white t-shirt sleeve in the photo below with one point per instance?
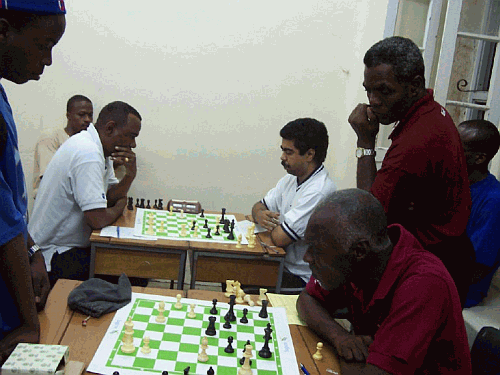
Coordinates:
(274, 197)
(112, 180)
(295, 220)
(88, 187)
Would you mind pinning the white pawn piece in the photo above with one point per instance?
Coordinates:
(195, 235)
(248, 300)
(171, 211)
(182, 214)
(162, 226)
(203, 356)
(318, 356)
(229, 288)
(191, 313)
(238, 245)
(145, 347)
(160, 318)
(178, 305)
(246, 369)
(262, 296)
(183, 230)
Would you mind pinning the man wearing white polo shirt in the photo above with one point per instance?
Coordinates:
(285, 210)
(79, 191)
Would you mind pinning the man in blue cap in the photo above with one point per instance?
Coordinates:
(28, 32)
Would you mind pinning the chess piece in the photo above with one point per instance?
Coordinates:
(145, 347)
(263, 311)
(230, 314)
(216, 232)
(155, 206)
(195, 234)
(246, 369)
(225, 228)
(239, 292)
(229, 288)
(262, 296)
(162, 226)
(248, 299)
(130, 205)
(240, 238)
(178, 305)
(160, 318)
(213, 310)
(203, 357)
(202, 213)
(229, 348)
(151, 230)
(244, 319)
(252, 241)
(137, 203)
(148, 206)
(227, 325)
(182, 214)
(186, 370)
(206, 224)
(191, 313)
(318, 356)
(183, 230)
(208, 233)
(142, 205)
(210, 371)
(160, 204)
(194, 225)
(210, 331)
(171, 211)
(222, 218)
(231, 233)
(265, 352)
(128, 338)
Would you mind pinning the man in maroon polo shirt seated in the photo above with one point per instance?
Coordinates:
(401, 300)
(423, 182)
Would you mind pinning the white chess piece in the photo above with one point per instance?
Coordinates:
(145, 347)
(229, 288)
(248, 300)
(128, 338)
(203, 356)
(160, 318)
(318, 356)
(178, 305)
(239, 293)
(240, 238)
(262, 296)
(191, 313)
(246, 369)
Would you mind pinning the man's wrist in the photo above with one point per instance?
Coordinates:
(33, 250)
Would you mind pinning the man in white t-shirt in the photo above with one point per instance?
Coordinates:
(285, 210)
(79, 112)
(79, 191)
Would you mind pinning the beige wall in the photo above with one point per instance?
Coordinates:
(214, 81)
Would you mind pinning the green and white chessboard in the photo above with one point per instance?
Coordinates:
(176, 343)
(163, 224)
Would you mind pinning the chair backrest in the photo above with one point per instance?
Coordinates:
(485, 353)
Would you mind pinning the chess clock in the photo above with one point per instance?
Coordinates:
(189, 207)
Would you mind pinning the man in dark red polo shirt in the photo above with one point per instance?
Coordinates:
(423, 181)
(401, 300)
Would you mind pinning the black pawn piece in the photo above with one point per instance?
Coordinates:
(142, 205)
(229, 348)
(210, 371)
(226, 227)
(186, 370)
(137, 203)
(244, 320)
(156, 205)
(210, 331)
(227, 325)
(208, 233)
(194, 225)
(202, 213)
(148, 205)
(217, 233)
(130, 205)
(265, 352)
(263, 311)
(213, 310)
(160, 204)
(164, 373)
(116, 373)
(222, 218)
(206, 224)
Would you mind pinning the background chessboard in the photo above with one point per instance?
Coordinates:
(176, 343)
(172, 226)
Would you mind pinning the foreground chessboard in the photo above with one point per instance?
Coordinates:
(172, 226)
(176, 343)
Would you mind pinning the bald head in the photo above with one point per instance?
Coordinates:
(480, 136)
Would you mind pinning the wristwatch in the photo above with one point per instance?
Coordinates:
(32, 250)
(360, 152)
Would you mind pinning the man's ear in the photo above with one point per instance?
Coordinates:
(360, 249)
(416, 86)
(310, 154)
(109, 128)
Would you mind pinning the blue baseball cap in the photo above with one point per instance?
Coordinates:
(35, 6)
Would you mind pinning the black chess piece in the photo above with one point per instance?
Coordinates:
(137, 203)
(229, 348)
(202, 213)
(226, 226)
(268, 331)
(265, 352)
(208, 233)
(116, 373)
(206, 224)
(148, 205)
(155, 205)
(194, 225)
(222, 218)
(160, 204)
(213, 310)
(186, 370)
(130, 205)
(227, 325)
(231, 234)
(142, 205)
(164, 372)
(244, 319)
(217, 233)
(210, 371)
(230, 314)
(263, 311)
(210, 331)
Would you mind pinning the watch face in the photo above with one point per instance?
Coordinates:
(359, 152)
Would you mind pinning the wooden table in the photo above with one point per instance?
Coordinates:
(60, 325)
(160, 259)
(166, 259)
(217, 262)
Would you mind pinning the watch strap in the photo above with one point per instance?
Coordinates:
(32, 250)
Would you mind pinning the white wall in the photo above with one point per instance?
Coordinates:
(214, 82)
